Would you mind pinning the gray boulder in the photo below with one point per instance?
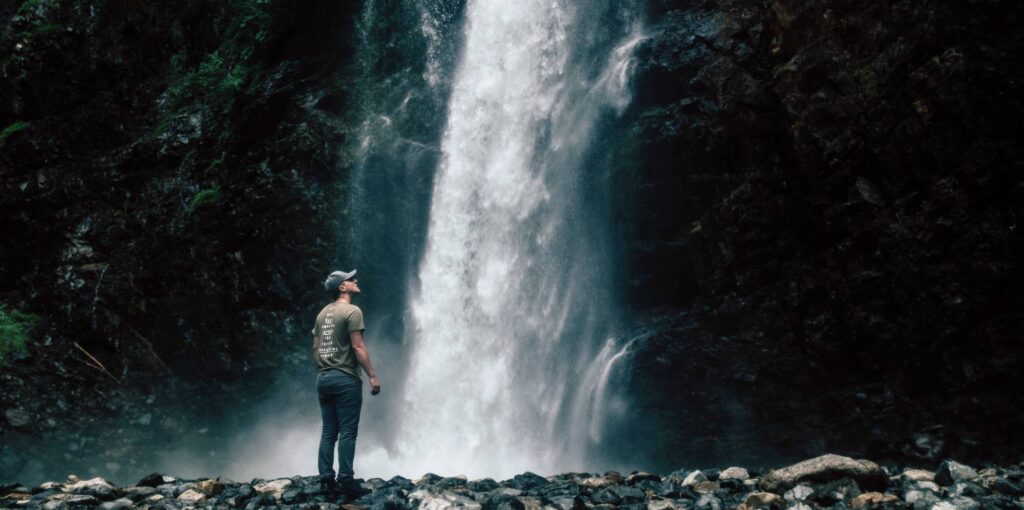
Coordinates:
(951, 471)
(825, 468)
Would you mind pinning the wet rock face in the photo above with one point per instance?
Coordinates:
(825, 482)
(829, 184)
(172, 174)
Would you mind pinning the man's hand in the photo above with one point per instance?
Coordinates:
(374, 386)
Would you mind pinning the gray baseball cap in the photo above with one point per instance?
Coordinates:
(334, 279)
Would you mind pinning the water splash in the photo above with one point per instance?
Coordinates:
(514, 283)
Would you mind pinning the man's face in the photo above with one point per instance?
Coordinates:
(351, 286)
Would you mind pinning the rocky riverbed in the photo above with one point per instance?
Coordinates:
(829, 481)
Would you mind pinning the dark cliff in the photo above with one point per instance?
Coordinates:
(835, 188)
(171, 175)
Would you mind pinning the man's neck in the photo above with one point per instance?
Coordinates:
(344, 298)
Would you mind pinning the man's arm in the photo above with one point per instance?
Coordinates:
(363, 356)
(316, 345)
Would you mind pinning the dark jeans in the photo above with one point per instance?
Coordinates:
(341, 398)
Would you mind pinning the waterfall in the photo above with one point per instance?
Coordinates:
(513, 297)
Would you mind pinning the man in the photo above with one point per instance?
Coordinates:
(339, 351)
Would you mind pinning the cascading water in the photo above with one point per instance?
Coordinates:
(513, 303)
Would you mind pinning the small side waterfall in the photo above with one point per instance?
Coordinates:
(513, 303)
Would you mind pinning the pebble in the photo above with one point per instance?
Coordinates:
(734, 473)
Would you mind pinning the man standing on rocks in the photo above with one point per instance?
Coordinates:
(339, 351)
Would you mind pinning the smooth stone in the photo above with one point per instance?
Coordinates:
(918, 475)
(531, 503)
(661, 504)
(182, 487)
(920, 499)
(151, 480)
(969, 489)
(485, 485)
(292, 496)
(191, 496)
(670, 488)
(734, 473)
(95, 486)
(965, 503)
(117, 504)
(445, 500)
(628, 494)
(869, 499)
(507, 491)
(45, 495)
(642, 477)
(402, 482)
(1004, 486)
(210, 487)
(694, 477)
(951, 471)
(798, 493)
(824, 469)
(606, 495)
(835, 492)
(705, 487)
(761, 500)
(708, 501)
(273, 488)
(570, 503)
(80, 499)
(595, 482)
(528, 480)
(140, 493)
(426, 479)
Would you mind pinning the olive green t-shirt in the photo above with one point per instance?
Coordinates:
(333, 324)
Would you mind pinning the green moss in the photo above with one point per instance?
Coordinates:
(227, 73)
(215, 165)
(45, 28)
(30, 5)
(13, 128)
(207, 196)
(215, 80)
(14, 326)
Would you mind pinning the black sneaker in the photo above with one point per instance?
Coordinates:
(350, 488)
(328, 487)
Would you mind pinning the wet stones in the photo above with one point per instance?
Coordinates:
(814, 486)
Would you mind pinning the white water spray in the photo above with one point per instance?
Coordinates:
(513, 299)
